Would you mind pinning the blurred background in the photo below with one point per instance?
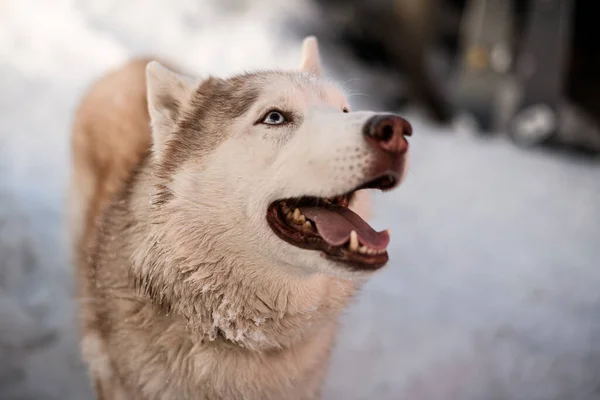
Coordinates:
(493, 291)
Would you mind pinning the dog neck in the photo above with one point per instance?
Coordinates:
(258, 307)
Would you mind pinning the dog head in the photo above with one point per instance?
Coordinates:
(266, 167)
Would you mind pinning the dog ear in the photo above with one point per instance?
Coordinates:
(167, 92)
(310, 60)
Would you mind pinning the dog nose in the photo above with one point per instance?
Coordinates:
(387, 132)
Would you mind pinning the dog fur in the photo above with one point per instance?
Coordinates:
(184, 290)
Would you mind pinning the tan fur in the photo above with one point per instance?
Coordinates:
(166, 311)
(111, 132)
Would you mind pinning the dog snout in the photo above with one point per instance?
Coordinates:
(387, 133)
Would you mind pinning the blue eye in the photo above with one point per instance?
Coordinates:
(274, 118)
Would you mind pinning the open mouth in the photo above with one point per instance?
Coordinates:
(328, 225)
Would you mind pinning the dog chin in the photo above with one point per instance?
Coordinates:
(340, 271)
(308, 262)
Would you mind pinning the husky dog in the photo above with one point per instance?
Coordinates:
(214, 235)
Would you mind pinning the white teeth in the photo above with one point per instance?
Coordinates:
(369, 251)
(389, 232)
(355, 246)
(353, 241)
(307, 226)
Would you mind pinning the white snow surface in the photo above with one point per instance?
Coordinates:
(493, 291)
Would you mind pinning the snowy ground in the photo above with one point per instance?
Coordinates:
(493, 289)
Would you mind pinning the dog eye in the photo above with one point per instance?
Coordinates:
(274, 118)
(345, 109)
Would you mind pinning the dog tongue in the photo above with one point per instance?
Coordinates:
(335, 224)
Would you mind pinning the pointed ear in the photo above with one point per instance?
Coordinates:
(310, 60)
(167, 92)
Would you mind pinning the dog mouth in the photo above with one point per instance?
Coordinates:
(328, 225)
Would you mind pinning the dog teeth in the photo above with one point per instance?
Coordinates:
(368, 251)
(298, 217)
(353, 246)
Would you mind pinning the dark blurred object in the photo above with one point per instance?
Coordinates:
(397, 34)
(528, 68)
(545, 113)
(540, 71)
(513, 71)
(486, 42)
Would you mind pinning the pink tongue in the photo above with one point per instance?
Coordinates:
(335, 224)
